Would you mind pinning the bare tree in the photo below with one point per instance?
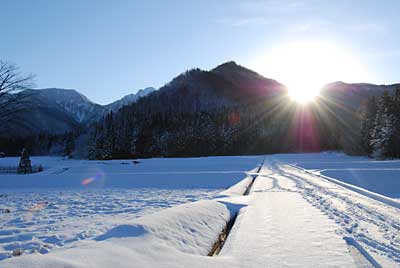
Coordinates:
(12, 82)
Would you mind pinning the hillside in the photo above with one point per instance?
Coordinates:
(232, 110)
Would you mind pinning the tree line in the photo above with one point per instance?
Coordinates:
(380, 128)
(240, 130)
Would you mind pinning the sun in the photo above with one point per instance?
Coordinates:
(305, 67)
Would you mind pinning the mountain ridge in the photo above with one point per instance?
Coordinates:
(58, 110)
(227, 85)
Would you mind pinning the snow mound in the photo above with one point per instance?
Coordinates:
(151, 241)
(123, 230)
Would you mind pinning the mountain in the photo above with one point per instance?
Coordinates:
(128, 99)
(56, 111)
(227, 110)
(200, 90)
(36, 114)
(231, 110)
(72, 103)
(339, 110)
(248, 81)
(353, 95)
(197, 113)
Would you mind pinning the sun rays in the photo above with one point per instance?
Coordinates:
(305, 67)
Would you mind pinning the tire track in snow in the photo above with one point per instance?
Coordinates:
(278, 223)
(349, 215)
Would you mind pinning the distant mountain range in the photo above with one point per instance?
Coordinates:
(57, 110)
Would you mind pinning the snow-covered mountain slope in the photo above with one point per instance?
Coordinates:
(38, 114)
(72, 103)
(81, 108)
(56, 110)
(128, 99)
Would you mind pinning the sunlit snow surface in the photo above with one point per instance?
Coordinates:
(382, 177)
(42, 220)
(72, 200)
(290, 205)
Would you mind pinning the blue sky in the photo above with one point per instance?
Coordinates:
(107, 49)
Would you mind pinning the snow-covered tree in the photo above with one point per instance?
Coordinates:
(367, 125)
(383, 127)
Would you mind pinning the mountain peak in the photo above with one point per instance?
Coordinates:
(227, 64)
(248, 80)
(230, 66)
(61, 94)
(128, 99)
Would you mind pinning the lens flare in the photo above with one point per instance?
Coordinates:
(98, 177)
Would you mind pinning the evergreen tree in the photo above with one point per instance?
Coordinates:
(383, 128)
(69, 144)
(367, 125)
(24, 166)
(92, 145)
(395, 134)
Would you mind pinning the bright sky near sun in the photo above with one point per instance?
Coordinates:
(304, 67)
(107, 49)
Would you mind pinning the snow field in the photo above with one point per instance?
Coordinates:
(41, 221)
(382, 177)
(169, 173)
(60, 211)
(176, 237)
(291, 218)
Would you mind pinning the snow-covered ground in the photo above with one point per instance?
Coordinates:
(169, 173)
(294, 216)
(74, 200)
(361, 221)
(381, 177)
(41, 220)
